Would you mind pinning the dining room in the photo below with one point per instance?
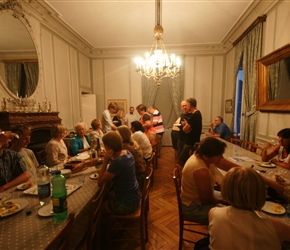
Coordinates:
(72, 64)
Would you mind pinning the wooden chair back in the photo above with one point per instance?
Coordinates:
(236, 141)
(257, 149)
(94, 221)
(248, 146)
(41, 156)
(182, 221)
(62, 240)
(140, 216)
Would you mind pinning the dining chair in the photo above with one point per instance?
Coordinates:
(185, 225)
(139, 219)
(248, 146)
(155, 159)
(91, 239)
(41, 156)
(257, 149)
(62, 240)
(150, 164)
(237, 141)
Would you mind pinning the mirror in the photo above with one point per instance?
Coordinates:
(273, 81)
(19, 68)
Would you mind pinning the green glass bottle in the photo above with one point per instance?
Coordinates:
(59, 195)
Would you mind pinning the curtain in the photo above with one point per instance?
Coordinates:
(249, 49)
(274, 79)
(13, 76)
(31, 72)
(171, 92)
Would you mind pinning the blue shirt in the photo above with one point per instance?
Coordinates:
(223, 130)
(125, 184)
(12, 165)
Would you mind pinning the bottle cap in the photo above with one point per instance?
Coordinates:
(57, 172)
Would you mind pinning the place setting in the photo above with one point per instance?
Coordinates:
(11, 206)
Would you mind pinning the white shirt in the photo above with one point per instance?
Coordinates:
(106, 121)
(144, 143)
(130, 118)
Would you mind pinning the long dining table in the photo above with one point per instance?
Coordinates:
(246, 158)
(28, 230)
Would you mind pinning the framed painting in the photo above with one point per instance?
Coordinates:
(229, 106)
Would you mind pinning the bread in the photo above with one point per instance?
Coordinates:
(278, 208)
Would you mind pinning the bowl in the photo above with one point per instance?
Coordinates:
(66, 172)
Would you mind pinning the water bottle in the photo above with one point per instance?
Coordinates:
(59, 196)
(43, 184)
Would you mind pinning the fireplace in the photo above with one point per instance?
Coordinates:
(39, 122)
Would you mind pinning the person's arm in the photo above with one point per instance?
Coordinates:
(282, 230)
(226, 165)
(186, 126)
(281, 164)
(203, 183)
(16, 181)
(104, 175)
(147, 121)
(266, 156)
(273, 184)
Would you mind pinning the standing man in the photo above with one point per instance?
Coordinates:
(107, 123)
(157, 125)
(130, 117)
(192, 128)
(219, 129)
(184, 116)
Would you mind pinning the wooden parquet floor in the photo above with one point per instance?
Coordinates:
(163, 213)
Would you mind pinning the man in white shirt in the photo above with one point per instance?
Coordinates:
(107, 122)
(130, 117)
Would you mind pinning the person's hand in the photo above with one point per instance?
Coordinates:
(108, 155)
(211, 124)
(2, 189)
(78, 167)
(274, 161)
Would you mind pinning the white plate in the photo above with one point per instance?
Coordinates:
(269, 207)
(70, 188)
(22, 186)
(94, 176)
(6, 195)
(267, 165)
(20, 203)
(82, 156)
(46, 211)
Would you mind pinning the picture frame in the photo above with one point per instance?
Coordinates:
(229, 106)
(122, 104)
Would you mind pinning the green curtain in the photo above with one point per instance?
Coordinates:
(249, 50)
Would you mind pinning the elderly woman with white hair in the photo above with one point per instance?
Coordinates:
(80, 143)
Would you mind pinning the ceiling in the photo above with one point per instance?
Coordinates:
(130, 23)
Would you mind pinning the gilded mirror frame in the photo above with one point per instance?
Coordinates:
(262, 86)
(15, 9)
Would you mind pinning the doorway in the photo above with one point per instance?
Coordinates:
(239, 101)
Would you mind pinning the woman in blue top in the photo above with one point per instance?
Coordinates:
(81, 142)
(125, 197)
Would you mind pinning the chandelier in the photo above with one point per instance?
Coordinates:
(157, 64)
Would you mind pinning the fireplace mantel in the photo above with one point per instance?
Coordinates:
(34, 120)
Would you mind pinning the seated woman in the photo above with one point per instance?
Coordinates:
(140, 137)
(20, 145)
(244, 190)
(281, 150)
(198, 179)
(118, 119)
(134, 148)
(80, 143)
(121, 172)
(12, 165)
(96, 134)
(56, 150)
